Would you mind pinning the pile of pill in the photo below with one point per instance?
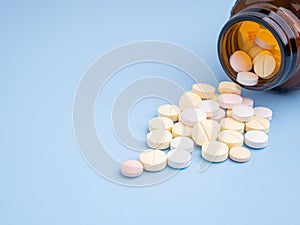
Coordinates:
(258, 57)
(222, 124)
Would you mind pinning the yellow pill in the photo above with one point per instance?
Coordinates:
(258, 123)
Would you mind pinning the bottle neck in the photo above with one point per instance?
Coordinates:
(279, 25)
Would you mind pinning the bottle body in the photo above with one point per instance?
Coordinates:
(280, 20)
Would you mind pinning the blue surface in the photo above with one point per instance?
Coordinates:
(45, 49)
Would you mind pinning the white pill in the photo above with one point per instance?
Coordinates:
(160, 123)
(159, 139)
(182, 143)
(189, 100)
(264, 112)
(266, 40)
(264, 66)
(220, 114)
(169, 111)
(228, 87)
(178, 159)
(205, 91)
(248, 101)
(258, 123)
(247, 78)
(231, 138)
(214, 151)
(153, 160)
(210, 107)
(191, 116)
(232, 124)
(227, 101)
(256, 139)
(242, 112)
(206, 130)
(240, 61)
(239, 154)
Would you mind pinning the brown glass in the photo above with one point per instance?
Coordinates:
(282, 18)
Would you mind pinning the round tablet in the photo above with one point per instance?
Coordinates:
(159, 139)
(228, 87)
(206, 130)
(220, 114)
(264, 66)
(231, 138)
(266, 40)
(189, 100)
(242, 113)
(256, 139)
(239, 154)
(258, 123)
(252, 28)
(227, 101)
(181, 130)
(205, 91)
(131, 168)
(153, 160)
(178, 159)
(182, 143)
(248, 101)
(214, 151)
(264, 112)
(160, 123)
(240, 61)
(191, 116)
(169, 111)
(232, 124)
(247, 78)
(209, 106)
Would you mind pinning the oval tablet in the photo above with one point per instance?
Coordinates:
(206, 130)
(153, 160)
(214, 151)
(248, 101)
(205, 91)
(181, 130)
(160, 123)
(131, 168)
(227, 87)
(242, 113)
(169, 111)
(220, 114)
(231, 138)
(178, 159)
(189, 100)
(191, 116)
(182, 143)
(264, 112)
(256, 139)
(247, 78)
(258, 123)
(210, 107)
(239, 154)
(231, 124)
(240, 61)
(159, 139)
(227, 101)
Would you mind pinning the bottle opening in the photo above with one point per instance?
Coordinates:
(250, 54)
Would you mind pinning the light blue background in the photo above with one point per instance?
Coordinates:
(45, 47)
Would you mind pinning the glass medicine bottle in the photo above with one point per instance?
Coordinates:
(280, 19)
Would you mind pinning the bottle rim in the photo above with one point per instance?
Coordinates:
(269, 20)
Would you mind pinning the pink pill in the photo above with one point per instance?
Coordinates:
(240, 61)
(132, 168)
(227, 101)
(248, 101)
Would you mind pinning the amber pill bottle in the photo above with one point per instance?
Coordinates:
(282, 19)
